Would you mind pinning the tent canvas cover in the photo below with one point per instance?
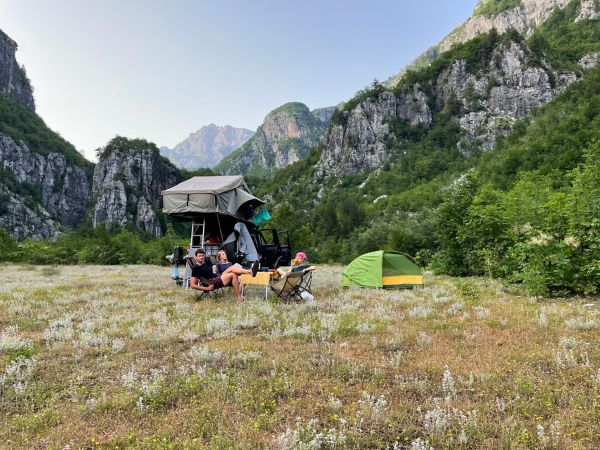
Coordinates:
(383, 269)
(205, 195)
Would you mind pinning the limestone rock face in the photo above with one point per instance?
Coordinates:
(127, 186)
(358, 141)
(207, 146)
(491, 99)
(23, 221)
(59, 191)
(13, 80)
(589, 61)
(285, 136)
(589, 10)
(524, 18)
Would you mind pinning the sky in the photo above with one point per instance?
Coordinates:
(160, 70)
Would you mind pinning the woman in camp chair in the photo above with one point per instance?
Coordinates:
(294, 283)
(204, 279)
(299, 264)
(223, 266)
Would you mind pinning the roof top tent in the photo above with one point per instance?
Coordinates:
(214, 204)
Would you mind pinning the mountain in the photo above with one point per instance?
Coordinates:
(486, 85)
(484, 161)
(13, 79)
(522, 16)
(285, 136)
(207, 146)
(128, 180)
(44, 182)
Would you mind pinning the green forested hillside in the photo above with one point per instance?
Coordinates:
(523, 211)
(20, 123)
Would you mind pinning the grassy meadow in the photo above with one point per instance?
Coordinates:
(119, 357)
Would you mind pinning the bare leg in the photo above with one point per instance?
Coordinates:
(237, 269)
(232, 279)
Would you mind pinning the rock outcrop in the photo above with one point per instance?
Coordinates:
(524, 18)
(207, 146)
(128, 180)
(13, 80)
(358, 140)
(491, 100)
(285, 136)
(62, 187)
(24, 219)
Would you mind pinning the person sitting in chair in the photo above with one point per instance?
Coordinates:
(203, 270)
(224, 266)
(299, 264)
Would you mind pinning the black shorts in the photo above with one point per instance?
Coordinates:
(217, 282)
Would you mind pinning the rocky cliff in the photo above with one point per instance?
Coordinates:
(128, 180)
(207, 146)
(44, 186)
(524, 18)
(285, 136)
(358, 139)
(43, 190)
(487, 99)
(13, 80)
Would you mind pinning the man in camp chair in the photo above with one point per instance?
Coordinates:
(204, 279)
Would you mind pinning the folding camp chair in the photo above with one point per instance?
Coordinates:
(293, 286)
(190, 262)
(215, 293)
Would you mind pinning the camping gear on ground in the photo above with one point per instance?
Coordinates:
(294, 286)
(383, 269)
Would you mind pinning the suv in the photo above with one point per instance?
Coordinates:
(273, 253)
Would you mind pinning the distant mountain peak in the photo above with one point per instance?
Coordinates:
(207, 146)
(285, 136)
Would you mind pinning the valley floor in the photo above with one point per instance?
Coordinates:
(119, 357)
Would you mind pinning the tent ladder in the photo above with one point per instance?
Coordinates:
(197, 237)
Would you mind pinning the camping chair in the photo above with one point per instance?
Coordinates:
(215, 293)
(293, 285)
(190, 262)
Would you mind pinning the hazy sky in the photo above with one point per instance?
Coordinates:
(159, 69)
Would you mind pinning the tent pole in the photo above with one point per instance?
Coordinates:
(203, 230)
(220, 230)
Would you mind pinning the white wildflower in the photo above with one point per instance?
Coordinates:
(500, 404)
(481, 312)
(581, 323)
(9, 340)
(543, 318)
(423, 339)
(436, 420)
(418, 444)
(571, 241)
(129, 378)
(448, 386)
(421, 311)
(541, 239)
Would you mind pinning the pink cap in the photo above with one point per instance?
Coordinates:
(301, 255)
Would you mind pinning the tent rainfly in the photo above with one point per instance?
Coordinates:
(205, 195)
(383, 269)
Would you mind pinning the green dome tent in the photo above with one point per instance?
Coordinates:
(383, 269)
